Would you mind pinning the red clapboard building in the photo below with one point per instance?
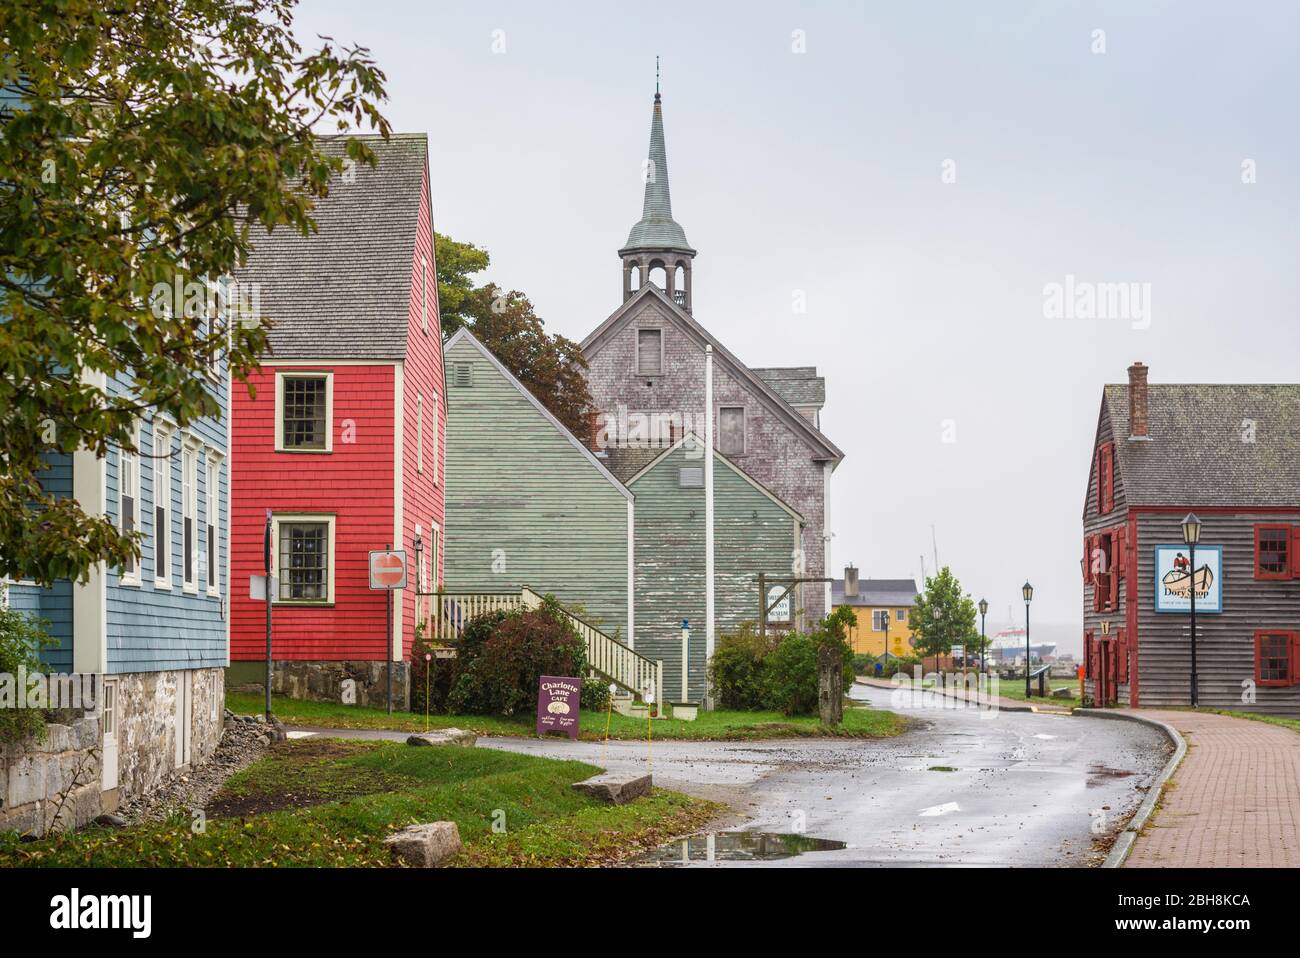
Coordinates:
(342, 439)
(1229, 455)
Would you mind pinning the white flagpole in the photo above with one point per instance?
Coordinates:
(708, 509)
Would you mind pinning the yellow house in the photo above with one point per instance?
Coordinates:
(883, 608)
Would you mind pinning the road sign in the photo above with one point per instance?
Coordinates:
(257, 587)
(388, 569)
(779, 613)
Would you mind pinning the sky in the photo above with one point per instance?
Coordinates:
(917, 175)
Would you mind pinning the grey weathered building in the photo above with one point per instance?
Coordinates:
(646, 375)
(1230, 454)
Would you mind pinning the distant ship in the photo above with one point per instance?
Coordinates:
(1009, 645)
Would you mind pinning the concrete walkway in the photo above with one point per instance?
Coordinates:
(965, 695)
(1233, 802)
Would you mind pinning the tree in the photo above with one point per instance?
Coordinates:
(550, 366)
(140, 142)
(455, 262)
(956, 621)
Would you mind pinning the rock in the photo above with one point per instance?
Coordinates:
(444, 736)
(1064, 692)
(111, 821)
(263, 740)
(615, 789)
(425, 846)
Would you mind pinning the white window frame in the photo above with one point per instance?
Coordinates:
(162, 493)
(647, 329)
(290, 517)
(875, 622)
(424, 293)
(744, 431)
(435, 545)
(419, 433)
(212, 527)
(280, 376)
(190, 450)
(109, 707)
(433, 438)
(130, 457)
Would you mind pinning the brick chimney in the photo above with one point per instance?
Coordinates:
(1137, 402)
(850, 582)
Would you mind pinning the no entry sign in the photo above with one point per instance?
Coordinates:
(388, 569)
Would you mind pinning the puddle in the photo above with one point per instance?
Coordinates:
(735, 846)
(1100, 774)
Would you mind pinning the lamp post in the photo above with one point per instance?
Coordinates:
(984, 652)
(418, 546)
(1027, 591)
(686, 641)
(1191, 536)
(887, 614)
(937, 615)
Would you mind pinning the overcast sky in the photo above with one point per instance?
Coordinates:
(957, 399)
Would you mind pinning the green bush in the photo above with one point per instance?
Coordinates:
(790, 676)
(595, 695)
(736, 671)
(22, 636)
(438, 679)
(895, 664)
(864, 664)
(501, 656)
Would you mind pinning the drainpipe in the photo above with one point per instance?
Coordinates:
(708, 518)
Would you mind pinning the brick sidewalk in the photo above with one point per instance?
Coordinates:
(1233, 802)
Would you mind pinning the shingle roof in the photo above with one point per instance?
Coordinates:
(797, 385)
(1197, 453)
(657, 229)
(345, 290)
(877, 592)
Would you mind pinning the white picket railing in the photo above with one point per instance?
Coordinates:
(606, 656)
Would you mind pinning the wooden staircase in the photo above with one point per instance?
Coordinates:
(607, 658)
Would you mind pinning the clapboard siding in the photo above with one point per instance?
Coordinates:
(1095, 521)
(752, 534)
(524, 505)
(54, 605)
(1225, 641)
(354, 482)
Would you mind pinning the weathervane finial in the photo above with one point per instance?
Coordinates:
(656, 76)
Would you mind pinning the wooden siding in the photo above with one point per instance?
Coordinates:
(524, 506)
(1095, 522)
(53, 605)
(752, 534)
(354, 482)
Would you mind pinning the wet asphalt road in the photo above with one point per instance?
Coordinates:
(1025, 789)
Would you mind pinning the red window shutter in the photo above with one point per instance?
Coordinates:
(1116, 564)
(1295, 552)
(1087, 552)
(1295, 658)
(1122, 645)
(1087, 655)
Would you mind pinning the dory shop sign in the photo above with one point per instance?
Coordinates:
(1175, 579)
(557, 704)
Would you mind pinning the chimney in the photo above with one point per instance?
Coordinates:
(1137, 402)
(850, 582)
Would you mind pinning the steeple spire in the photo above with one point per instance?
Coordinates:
(657, 243)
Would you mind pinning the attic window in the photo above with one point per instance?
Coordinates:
(690, 477)
(462, 375)
(649, 352)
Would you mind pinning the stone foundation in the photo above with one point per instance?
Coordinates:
(57, 783)
(323, 682)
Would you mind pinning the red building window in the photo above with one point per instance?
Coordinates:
(1274, 660)
(1106, 477)
(1273, 552)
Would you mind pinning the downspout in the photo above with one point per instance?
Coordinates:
(708, 516)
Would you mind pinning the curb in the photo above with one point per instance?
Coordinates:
(1119, 852)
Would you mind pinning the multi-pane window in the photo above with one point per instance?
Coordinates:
(129, 505)
(162, 506)
(1272, 656)
(879, 620)
(649, 352)
(900, 615)
(731, 430)
(1272, 552)
(211, 515)
(304, 420)
(189, 502)
(304, 562)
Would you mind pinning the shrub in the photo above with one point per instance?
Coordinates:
(595, 695)
(864, 664)
(22, 636)
(502, 655)
(736, 671)
(790, 675)
(439, 678)
(895, 664)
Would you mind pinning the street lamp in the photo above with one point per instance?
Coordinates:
(1027, 591)
(887, 615)
(937, 615)
(984, 652)
(1191, 536)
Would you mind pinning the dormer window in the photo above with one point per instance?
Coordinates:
(649, 352)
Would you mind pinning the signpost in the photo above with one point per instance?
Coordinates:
(558, 699)
(388, 573)
(268, 593)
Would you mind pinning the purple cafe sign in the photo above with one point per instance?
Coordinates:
(557, 704)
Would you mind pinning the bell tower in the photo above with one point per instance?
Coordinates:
(656, 250)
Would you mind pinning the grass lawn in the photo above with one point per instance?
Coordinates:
(1256, 717)
(1015, 689)
(330, 803)
(726, 725)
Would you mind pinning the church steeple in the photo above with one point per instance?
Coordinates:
(657, 241)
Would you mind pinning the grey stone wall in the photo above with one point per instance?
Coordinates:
(323, 682)
(53, 784)
(775, 454)
(147, 730)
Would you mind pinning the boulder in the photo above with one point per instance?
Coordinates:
(444, 736)
(1064, 692)
(425, 846)
(615, 789)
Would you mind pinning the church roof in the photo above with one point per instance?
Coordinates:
(657, 230)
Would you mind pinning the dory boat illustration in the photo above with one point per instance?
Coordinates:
(1177, 582)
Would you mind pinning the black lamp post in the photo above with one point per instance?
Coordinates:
(984, 652)
(887, 615)
(1191, 536)
(937, 614)
(1028, 591)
